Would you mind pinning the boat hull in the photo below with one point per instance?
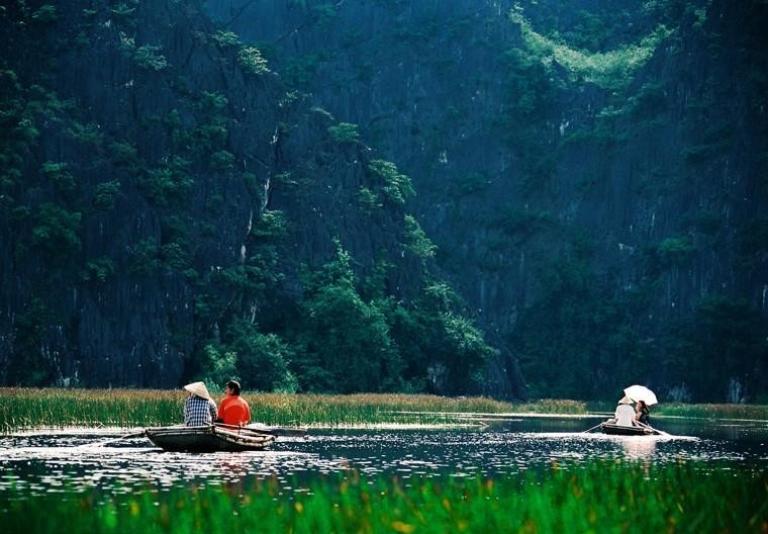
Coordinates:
(207, 439)
(619, 430)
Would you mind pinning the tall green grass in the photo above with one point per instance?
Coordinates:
(604, 497)
(28, 408)
(714, 411)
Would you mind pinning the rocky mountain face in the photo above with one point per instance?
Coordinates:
(171, 209)
(254, 188)
(592, 172)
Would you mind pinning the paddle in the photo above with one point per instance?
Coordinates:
(273, 431)
(131, 435)
(649, 427)
(594, 427)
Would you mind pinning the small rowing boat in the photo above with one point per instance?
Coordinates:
(208, 439)
(621, 430)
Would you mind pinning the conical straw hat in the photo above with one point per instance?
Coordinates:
(199, 389)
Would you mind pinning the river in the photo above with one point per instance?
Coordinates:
(41, 461)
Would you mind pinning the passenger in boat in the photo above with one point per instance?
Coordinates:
(643, 413)
(233, 409)
(625, 414)
(199, 408)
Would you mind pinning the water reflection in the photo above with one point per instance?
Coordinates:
(639, 447)
(42, 461)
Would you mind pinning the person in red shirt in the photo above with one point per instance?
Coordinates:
(233, 410)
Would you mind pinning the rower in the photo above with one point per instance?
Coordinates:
(233, 409)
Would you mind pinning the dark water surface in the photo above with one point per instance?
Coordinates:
(45, 461)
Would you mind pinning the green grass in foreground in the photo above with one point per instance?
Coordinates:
(603, 497)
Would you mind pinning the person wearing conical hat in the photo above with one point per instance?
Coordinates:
(199, 408)
(625, 414)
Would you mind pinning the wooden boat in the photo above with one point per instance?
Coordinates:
(621, 430)
(208, 439)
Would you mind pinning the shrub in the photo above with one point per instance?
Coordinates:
(56, 229)
(148, 57)
(58, 174)
(222, 160)
(98, 270)
(417, 241)
(105, 194)
(226, 38)
(344, 132)
(168, 182)
(368, 200)
(45, 13)
(271, 224)
(262, 359)
(675, 250)
(397, 188)
(251, 60)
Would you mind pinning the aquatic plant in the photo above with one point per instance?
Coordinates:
(28, 407)
(715, 411)
(601, 497)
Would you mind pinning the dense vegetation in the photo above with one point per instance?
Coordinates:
(559, 198)
(571, 161)
(24, 408)
(155, 248)
(29, 408)
(604, 497)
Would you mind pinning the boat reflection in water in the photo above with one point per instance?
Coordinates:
(639, 447)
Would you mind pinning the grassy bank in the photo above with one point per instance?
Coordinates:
(29, 408)
(605, 497)
(714, 411)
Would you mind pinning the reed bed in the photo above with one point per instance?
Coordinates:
(715, 411)
(603, 497)
(22, 408)
(29, 408)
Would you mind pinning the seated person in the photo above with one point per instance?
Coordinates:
(233, 410)
(643, 413)
(199, 409)
(625, 414)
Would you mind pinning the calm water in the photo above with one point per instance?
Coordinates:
(38, 462)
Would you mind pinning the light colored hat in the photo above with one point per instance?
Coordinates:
(199, 389)
(624, 400)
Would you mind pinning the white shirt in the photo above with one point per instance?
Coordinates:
(624, 415)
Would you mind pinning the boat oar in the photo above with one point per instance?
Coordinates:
(649, 427)
(131, 435)
(594, 427)
(273, 431)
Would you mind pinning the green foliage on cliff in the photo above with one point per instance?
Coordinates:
(346, 345)
(603, 179)
(251, 60)
(416, 241)
(611, 69)
(395, 187)
(149, 57)
(56, 230)
(105, 194)
(344, 132)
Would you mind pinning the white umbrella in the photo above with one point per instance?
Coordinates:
(641, 393)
